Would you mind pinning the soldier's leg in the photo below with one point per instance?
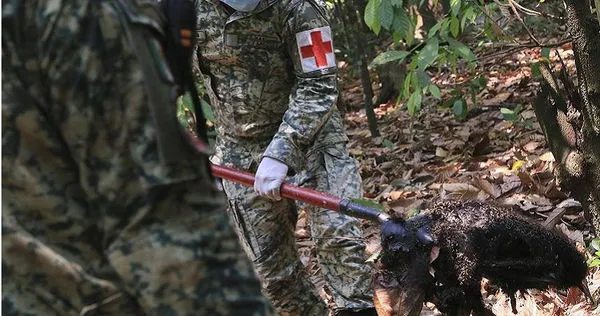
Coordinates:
(339, 240)
(267, 232)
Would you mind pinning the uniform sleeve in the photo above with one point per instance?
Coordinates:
(310, 47)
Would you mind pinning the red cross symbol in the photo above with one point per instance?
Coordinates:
(318, 49)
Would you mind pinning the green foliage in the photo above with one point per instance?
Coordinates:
(182, 106)
(594, 248)
(185, 103)
(457, 101)
(429, 53)
(460, 109)
(388, 144)
(435, 91)
(476, 85)
(414, 102)
(514, 116)
(389, 56)
(509, 115)
(186, 111)
(440, 45)
(372, 15)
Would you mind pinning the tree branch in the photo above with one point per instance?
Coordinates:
(516, 12)
(552, 120)
(515, 47)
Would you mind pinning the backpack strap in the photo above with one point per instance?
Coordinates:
(179, 46)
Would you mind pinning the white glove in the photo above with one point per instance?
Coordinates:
(269, 177)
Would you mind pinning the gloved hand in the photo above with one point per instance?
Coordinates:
(269, 177)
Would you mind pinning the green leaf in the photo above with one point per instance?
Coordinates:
(371, 15)
(476, 85)
(389, 56)
(455, 6)
(434, 29)
(454, 26)
(181, 113)
(482, 81)
(546, 52)
(519, 108)
(468, 14)
(414, 63)
(444, 28)
(429, 53)
(414, 102)
(460, 108)
(594, 263)
(410, 34)
(535, 70)
(207, 110)
(401, 24)
(397, 3)
(423, 78)
(388, 144)
(414, 80)
(448, 103)
(406, 89)
(509, 114)
(386, 14)
(461, 49)
(435, 91)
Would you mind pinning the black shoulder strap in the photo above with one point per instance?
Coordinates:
(181, 34)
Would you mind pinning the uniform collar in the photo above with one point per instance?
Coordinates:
(262, 6)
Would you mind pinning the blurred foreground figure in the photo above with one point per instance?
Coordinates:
(106, 208)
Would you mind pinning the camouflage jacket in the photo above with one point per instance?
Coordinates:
(271, 78)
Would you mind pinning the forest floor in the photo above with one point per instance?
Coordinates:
(433, 156)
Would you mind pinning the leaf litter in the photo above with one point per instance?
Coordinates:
(434, 156)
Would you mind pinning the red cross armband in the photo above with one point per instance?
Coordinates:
(315, 51)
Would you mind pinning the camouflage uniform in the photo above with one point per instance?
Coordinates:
(97, 218)
(271, 99)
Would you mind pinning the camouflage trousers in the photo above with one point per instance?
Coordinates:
(267, 232)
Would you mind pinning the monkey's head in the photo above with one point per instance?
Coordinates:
(402, 280)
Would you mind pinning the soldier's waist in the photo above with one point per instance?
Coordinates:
(246, 137)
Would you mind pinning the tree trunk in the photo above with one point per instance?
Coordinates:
(355, 18)
(570, 117)
(365, 80)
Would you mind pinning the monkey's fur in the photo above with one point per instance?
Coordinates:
(474, 240)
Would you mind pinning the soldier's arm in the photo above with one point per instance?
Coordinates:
(309, 42)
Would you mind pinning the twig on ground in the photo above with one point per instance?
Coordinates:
(516, 12)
